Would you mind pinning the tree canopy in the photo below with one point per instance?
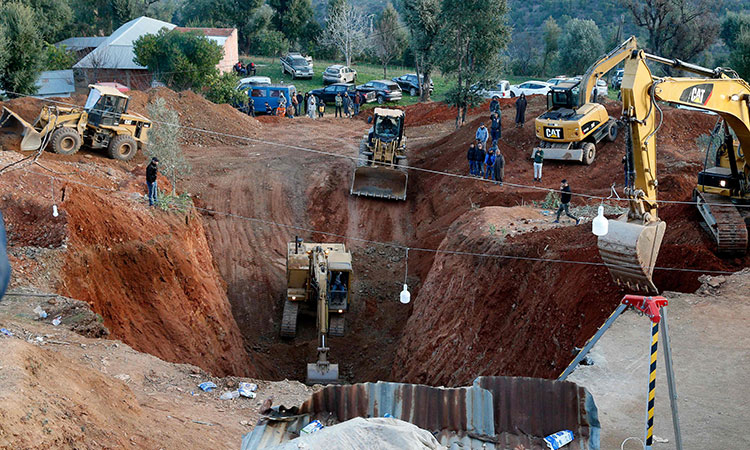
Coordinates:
(580, 46)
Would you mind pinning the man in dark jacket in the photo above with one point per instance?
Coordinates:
(472, 157)
(565, 196)
(521, 111)
(357, 101)
(480, 156)
(251, 106)
(495, 105)
(489, 164)
(151, 170)
(495, 127)
(300, 104)
(499, 166)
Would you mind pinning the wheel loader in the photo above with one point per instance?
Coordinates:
(319, 277)
(631, 245)
(574, 124)
(382, 155)
(102, 123)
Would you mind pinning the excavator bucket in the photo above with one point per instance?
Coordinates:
(380, 182)
(12, 123)
(322, 373)
(629, 250)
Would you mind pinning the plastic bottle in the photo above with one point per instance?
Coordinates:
(229, 395)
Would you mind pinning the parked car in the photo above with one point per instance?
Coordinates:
(328, 93)
(339, 74)
(248, 82)
(307, 58)
(557, 80)
(410, 84)
(384, 90)
(617, 78)
(501, 90)
(296, 65)
(601, 88)
(271, 94)
(530, 88)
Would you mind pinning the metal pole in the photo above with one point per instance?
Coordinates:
(652, 386)
(666, 345)
(582, 354)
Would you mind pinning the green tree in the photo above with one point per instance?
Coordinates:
(423, 19)
(346, 30)
(295, 19)
(735, 32)
(222, 13)
(265, 40)
(581, 44)
(223, 89)
(52, 17)
(389, 40)
(181, 60)
(163, 142)
(468, 48)
(23, 46)
(552, 34)
(732, 26)
(58, 58)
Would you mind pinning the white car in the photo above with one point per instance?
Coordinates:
(339, 74)
(530, 88)
(600, 89)
(501, 90)
(248, 82)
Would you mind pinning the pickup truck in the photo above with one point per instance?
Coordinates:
(296, 65)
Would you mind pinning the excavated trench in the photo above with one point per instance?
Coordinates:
(469, 316)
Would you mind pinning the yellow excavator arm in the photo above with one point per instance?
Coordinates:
(602, 66)
(632, 243)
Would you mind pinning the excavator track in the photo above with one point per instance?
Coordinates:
(289, 319)
(336, 326)
(724, 222)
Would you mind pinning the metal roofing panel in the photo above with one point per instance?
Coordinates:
(56, 83)
(81, 43)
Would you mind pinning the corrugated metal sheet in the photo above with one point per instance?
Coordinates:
(493, 413)
(55, 83)
(81, 43)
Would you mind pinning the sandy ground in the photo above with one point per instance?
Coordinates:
(710, 341)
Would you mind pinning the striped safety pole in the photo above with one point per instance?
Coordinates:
(652, 386)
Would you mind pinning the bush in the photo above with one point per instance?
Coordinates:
(221, 89)
(58, 58)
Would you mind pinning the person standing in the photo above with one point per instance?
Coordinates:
(321, 107)
(306, 104)
(495, 127)
(295, 106)
(521, 111)
(251, 106)
(311, 110)
(151, 171)
(482, 135)
(538, 160)
(300, 104)
(565, 196)
(495, 105)
(339, 101)
(499, 166)
(357, 100)
(481, 155)
(489, 164)
(347, 106)
(471, 156)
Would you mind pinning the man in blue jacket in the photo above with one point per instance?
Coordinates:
(482, 135)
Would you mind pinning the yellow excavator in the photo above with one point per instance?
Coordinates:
(319, 277)
(632, 243)
(574, 123)
(382, 155)
(104, 122)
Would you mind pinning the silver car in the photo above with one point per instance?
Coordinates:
(296, 65)
(339, 74)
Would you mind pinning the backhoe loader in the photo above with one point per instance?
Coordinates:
(574, 123)
(102, 123)
(630, 247)
(382, 155)
(318, 276)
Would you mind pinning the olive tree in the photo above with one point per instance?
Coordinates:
(163, 142)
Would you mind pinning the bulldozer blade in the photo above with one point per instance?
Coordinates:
(12, 123)
(322, 374)
(379, 182)
(629, 250)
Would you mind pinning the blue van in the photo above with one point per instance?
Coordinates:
(271, 94)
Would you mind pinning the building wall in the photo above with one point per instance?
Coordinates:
(231, 53)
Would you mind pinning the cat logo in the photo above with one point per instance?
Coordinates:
(553, 133)
(698, 94)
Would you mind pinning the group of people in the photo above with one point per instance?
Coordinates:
(348, 106)
(244, 69)
(488, 162)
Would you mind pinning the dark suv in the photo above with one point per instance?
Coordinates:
(409, 83)
(384, 90)
(328, 93)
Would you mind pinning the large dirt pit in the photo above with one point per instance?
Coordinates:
(469, 315)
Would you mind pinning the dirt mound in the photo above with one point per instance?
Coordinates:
(197, 112)
(500, 316)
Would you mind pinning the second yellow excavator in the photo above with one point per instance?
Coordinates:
(631, 245)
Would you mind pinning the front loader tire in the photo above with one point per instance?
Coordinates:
(122, 147)
(65, 141)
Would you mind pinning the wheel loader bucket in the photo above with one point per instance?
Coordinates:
(12, 123)
(629, 250)
(380, 182)
(322, 373)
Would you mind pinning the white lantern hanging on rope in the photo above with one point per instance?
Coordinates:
(600, 225)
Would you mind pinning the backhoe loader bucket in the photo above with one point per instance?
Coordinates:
(380, 182)
(322, 373)
(12, 123)
(629, 250)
